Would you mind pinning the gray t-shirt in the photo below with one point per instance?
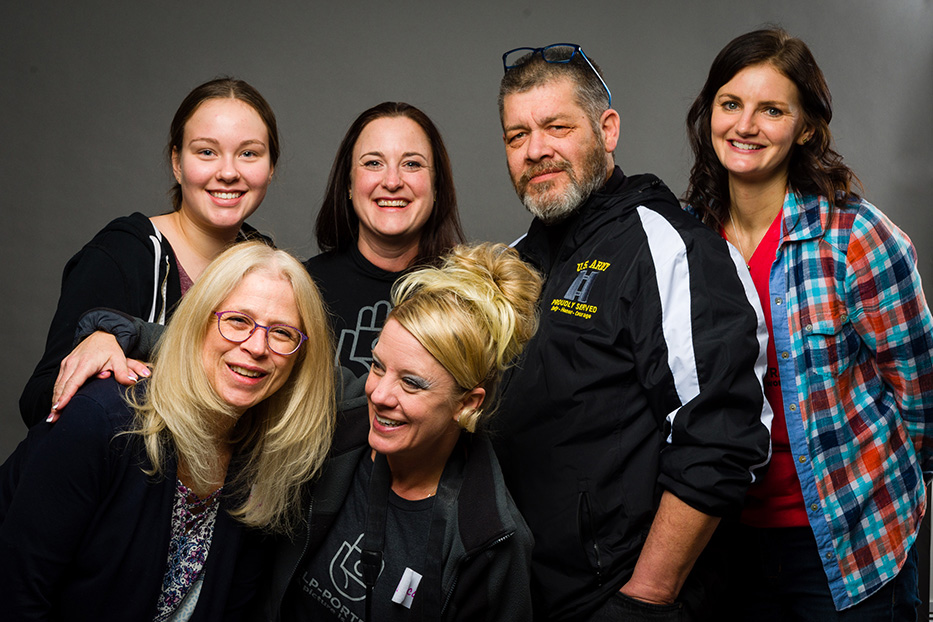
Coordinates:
(330, 585)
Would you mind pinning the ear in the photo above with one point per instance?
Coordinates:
(470, 402)
(609, 125)
(176, 164)
(805, 135)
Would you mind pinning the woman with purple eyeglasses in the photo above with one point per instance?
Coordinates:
(149, 503)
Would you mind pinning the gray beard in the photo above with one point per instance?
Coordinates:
(553, 209)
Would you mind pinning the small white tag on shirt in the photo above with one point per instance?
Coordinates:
(407, 588)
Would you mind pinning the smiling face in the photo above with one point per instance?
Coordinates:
(414, 402)
(223, 165)
(556, 159)
(243, 374)
(392, 182)
(756, 121)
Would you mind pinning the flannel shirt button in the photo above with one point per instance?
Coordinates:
(793, 406)
(844, 318)
(814, 507)
(808, 327)
(802, 459)
(778, 300)
(829, 556)
(785, 355)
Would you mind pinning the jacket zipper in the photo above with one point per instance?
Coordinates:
(466, 558)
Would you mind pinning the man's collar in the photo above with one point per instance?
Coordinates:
(614, 183)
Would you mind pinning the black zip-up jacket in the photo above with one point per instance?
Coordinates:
(127, 266)
(482, 571)
(642, 377)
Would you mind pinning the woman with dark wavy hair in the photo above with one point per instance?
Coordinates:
(829, 532)
(390, 204)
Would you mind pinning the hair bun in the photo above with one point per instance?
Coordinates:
(474, 312)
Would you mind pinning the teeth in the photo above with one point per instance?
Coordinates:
(246, 372)
(745, 146)
(226, 195)
(395, 203)
(387, 422)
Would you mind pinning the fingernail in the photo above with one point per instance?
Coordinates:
(146, 372)
(133, 377)
(54, 407)
(50, 417)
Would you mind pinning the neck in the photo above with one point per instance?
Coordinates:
(389, 256)
(215, 472)
(417, 477)
(752, 209)
(194, 245)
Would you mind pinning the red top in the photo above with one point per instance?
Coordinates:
(775, 500)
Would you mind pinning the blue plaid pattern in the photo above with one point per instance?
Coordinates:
(859, 344)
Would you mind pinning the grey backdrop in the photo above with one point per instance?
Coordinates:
(87, 91)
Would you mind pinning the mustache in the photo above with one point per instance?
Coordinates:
(546, 167)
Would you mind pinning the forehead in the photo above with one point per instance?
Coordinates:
(225, 114)
(554, 98)
(398, 348)
(393, 133)
(263, 291)
(763, 82)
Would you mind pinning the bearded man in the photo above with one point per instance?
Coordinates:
(636, 418)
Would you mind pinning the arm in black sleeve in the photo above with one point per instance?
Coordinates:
(95, 277)
(718, 421)
(137, 338)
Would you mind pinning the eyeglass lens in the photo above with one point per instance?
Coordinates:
(558, 53)
(238, 327)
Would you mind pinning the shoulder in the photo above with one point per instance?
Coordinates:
(322, 261)
(250, 233)
(85, 431)
(485, 505)
(126, 238)
(859, 228)
(136, 225)
(100, 404)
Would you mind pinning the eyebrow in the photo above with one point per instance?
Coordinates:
(770, 102)
(214, 141)
(545, 121)
(407, 154)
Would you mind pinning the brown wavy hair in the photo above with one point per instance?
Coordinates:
(815, 168)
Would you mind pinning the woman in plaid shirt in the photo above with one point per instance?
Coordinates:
(829, 532)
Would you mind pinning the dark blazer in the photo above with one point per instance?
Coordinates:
(84, 533)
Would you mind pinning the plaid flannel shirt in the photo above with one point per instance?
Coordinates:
(854, 340)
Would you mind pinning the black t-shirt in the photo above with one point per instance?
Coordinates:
(358, 295)
(330, 585)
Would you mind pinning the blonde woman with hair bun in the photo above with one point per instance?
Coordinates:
(410, 518)
(138, 506)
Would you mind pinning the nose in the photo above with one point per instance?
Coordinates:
(228, 172)
(539, 147)
(746, 123)
(379, 391)
(256, 343)
(392, 180)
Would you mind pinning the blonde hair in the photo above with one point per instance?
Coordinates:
(280, 443)
(474, 314)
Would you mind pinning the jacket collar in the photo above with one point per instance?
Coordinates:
(803, 216)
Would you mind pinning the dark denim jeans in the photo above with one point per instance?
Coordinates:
(777, 575)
